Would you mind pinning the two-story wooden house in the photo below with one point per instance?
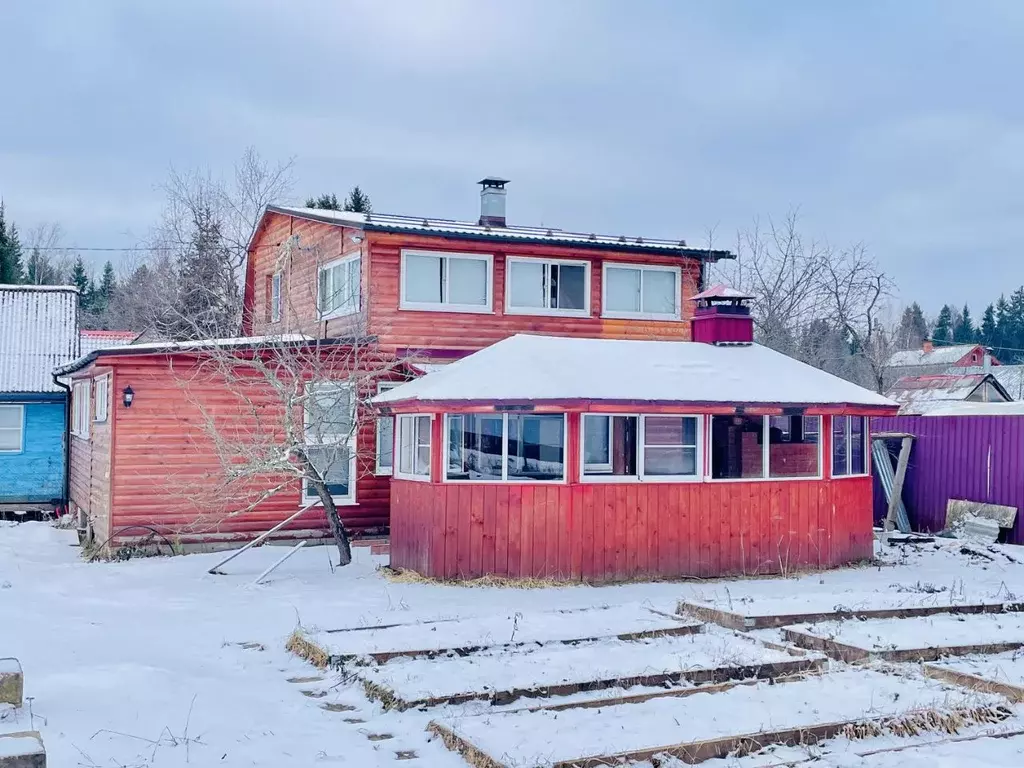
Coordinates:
(421, 291)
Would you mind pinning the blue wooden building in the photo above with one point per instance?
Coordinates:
(38, 332)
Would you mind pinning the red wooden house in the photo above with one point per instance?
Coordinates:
(425, 291)
(600, 459)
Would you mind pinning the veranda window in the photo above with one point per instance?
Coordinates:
(330, 435)
(793, 446)
(541, 287)
(656, 447)
(386, 435)
(505, 447)
(849, 445)
(648, 291)
(765, 447)
(413, 447)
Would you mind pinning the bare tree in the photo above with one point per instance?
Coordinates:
(820, 304)
(47, 263)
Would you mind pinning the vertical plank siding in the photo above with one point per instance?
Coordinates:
(978, 458)
(607, 532)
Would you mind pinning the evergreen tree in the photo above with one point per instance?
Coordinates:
(324, 202)
(987, 331)
(913, 329)
(358, 201)
(964, 331)
(207, 301)
(80, 279)
(40, 270)
(108, 284)
(943, 330)
(11, 270)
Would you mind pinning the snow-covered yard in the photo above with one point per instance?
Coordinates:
(156, 663)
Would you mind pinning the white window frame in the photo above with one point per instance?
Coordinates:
(849, 454)
(444, 306)
(20, 409)
(603, 466)
(102, 386)
(276, 297)
(640, 476)
(350, 307)
(348, 499)
(416, 444)
(765, 467)
(81, 397)
(379, 469)
(504, 451)
(511, 309)
(641, 315)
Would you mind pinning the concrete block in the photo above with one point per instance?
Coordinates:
(22, 750)
(12, 682)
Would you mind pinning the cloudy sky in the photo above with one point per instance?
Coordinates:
(898, 124)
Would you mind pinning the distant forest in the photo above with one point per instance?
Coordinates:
(1001, 327)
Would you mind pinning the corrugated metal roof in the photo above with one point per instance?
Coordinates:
(93, 340)
(38, 333)
(1010, 376)
(384, 222)
(920, 394)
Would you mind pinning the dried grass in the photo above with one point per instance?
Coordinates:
(304, 648)
(925, 720)
(403, 576)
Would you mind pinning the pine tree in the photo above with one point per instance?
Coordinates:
(11, 270)
(943, 330)
(913, 329)
(40, 270)
(80, 279)
(987, 330)
(207, 301)
(358, 201)
(1002, 327)
(108, 283)
(324, 202)
(1014, 338)
(964, 331)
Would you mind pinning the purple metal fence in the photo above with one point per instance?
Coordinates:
(979, 458)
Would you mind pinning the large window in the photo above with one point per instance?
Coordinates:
(413, 448)
(80, 409)
(849, 445)
(102, 397)
(12, 428)
(655, 448)
(451, 282)
(539, 287)
(338, 290)
(759, 447)
(386, 434)
(330, 422)
(497, 447)
(641, 292)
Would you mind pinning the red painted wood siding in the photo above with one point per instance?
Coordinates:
(165, 471)
(609, 532)
(320, 243)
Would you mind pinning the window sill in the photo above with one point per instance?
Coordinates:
(345, 501)
(412, 478)
(467, 309)
(12, 453)
(641, 316)
(339, 313)
(850, 477)
(383, 472)
(580, 313)
(499, 481)
(633, 480)
(762, 479)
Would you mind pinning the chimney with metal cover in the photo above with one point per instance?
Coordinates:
(492, 201)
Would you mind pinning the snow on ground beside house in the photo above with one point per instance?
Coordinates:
(517, 628)
(541, 738)
(1003, 667)
(550, 665)
(939, 630)
(121, 659)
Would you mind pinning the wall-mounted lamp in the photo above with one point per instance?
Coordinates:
(356, 238)
(127, 396)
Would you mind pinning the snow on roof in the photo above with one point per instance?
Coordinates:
(919, 394)
(1010, 376)
(92, 340)
(180, 346)
(538, 368)
(383, 222)
(721, 291)
(38, 331)
(938, 356)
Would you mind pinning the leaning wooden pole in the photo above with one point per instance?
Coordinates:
(259, 539)
(897, 484)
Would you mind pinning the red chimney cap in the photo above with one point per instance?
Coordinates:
(721, 291)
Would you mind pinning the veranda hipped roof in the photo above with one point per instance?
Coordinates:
(547, 368)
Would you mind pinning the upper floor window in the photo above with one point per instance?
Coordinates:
(274, 305)
(102, 397)
(12, 428)
(542, 287)
(339, 287)
(80, 409)
(446, 282)
(641, 292)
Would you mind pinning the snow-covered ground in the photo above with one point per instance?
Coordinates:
(156, 663)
